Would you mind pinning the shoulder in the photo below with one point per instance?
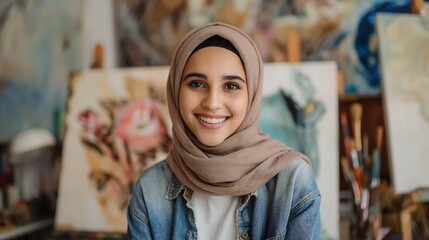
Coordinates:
(155, 176)
(292, 191)
(152, 183)
(160, 167)
(297, 180)
(298, 170)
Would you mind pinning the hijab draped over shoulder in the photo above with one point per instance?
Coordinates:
(245, 160)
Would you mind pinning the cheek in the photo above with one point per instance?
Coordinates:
(240, 106)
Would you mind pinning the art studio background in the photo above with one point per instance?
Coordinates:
(346, 83)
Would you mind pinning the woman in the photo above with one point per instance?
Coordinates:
(223, 178)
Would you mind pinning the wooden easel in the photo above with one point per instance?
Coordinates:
(98, 57)
(418, 7)
(412, 206)
(293, 45)
(405, 219)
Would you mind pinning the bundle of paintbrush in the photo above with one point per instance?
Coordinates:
(362, 170)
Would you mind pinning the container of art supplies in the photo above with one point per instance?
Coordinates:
(31, 154)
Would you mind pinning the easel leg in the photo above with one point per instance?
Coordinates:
(405, 220)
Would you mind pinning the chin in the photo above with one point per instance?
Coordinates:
(211, 142)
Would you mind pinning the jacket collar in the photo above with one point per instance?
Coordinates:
(175, 187)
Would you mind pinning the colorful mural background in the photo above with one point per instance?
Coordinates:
(341, 31)
(40, 45)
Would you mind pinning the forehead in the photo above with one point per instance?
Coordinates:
(214, 58)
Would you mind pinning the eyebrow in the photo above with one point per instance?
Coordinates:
(233, 77)
(224, 77)
(194, 74)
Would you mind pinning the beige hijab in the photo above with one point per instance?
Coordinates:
(245, 160)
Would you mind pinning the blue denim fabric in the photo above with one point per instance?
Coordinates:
(287, 207)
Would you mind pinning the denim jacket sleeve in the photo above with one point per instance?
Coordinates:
(150, 212)
(304, 220)
(138, 225)
(300, 224)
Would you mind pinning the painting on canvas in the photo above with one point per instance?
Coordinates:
(38, 50)
(405, 73)
(117, 125)
(300, 108)
(341, 31)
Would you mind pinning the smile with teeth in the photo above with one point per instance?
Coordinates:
(212, 120)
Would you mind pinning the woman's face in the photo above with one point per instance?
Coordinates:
(213, 94)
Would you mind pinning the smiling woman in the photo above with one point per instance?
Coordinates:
(213, 94)
(223, 178)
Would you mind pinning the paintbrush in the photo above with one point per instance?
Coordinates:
(356, 165)
(375, 171)
(365, 149)
(356, 114)
(346, 137)
(379, 137)
(350, 177)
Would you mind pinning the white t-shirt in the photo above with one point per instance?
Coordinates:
(215, 216)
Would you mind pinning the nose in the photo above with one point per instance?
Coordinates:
(212, 100)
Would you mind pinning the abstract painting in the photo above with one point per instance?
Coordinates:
(40, 44)
(405, 72)
(300, 108)
(337, 30)
(117, 125)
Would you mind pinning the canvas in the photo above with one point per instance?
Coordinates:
(117, 125)
(40, 44)
(300, 108)
(405, 71)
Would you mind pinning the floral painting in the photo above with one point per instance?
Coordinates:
(117, 125)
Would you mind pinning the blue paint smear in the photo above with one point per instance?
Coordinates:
(35, 87)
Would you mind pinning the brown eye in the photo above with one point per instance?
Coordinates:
(196, 84)
(232, 86)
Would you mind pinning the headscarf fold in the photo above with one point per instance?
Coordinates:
(245, 160)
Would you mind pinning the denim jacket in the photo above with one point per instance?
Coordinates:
(286, 207)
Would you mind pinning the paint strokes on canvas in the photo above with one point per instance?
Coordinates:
(300, 108)
(117, 125)
(40, 44)
(405, 71)
(337, 30)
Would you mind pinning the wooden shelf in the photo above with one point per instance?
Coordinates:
(357, 98)
(26, 229)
